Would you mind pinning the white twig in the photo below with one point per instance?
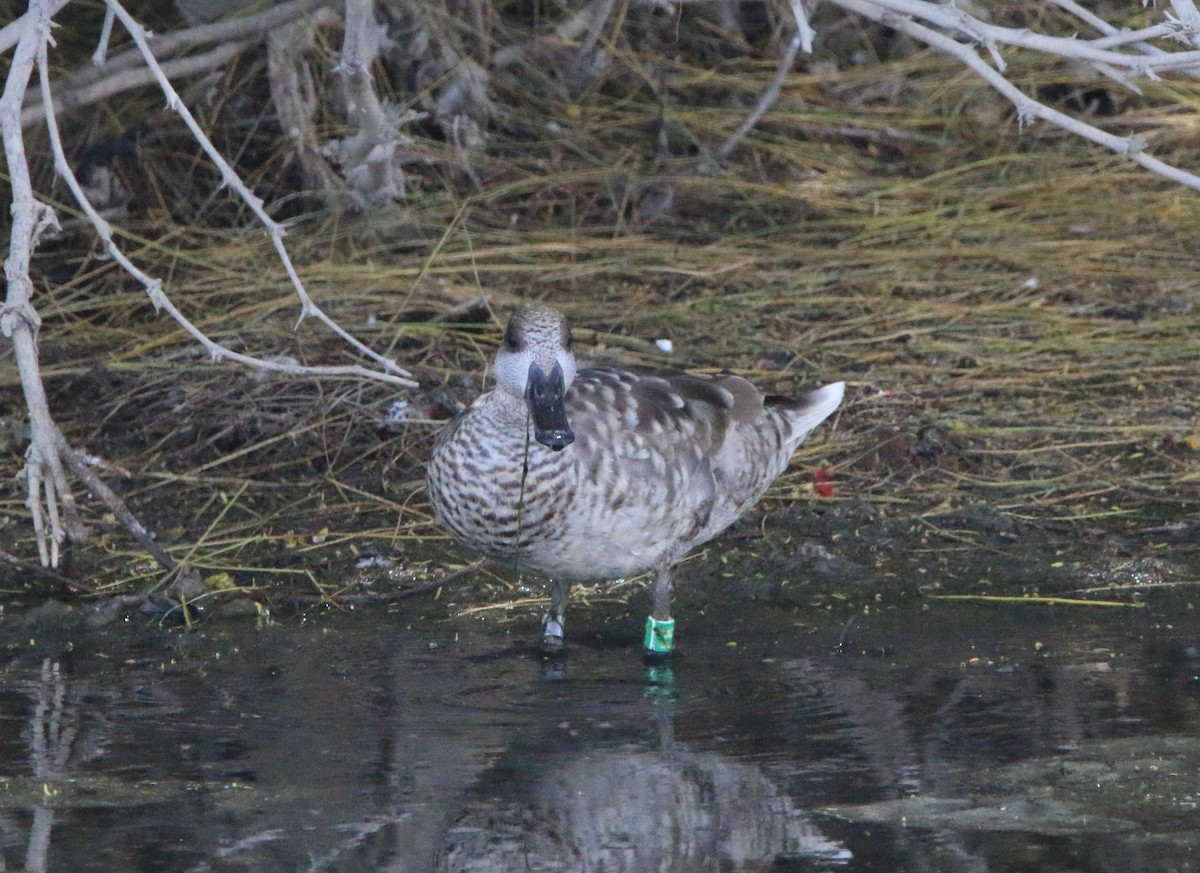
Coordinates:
(1094, 20)
(392, 371)
(1121, 77)
(1086, 15)
(803, 28)
(1188, 16)
(10, 34)
(101, 52)
(1127, 37)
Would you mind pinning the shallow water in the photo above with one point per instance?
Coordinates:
(954, 738)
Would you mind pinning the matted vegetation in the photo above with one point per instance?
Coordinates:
(1013, 311)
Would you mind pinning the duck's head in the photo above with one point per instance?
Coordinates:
(535, 364)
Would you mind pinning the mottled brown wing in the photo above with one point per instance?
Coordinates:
(676, 413)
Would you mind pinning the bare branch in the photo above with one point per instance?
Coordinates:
(899, 14)
(11, 33)
(369, 157)
(955, 20)
(154, 287)
(79, 466)
(45, 478)
(101, 52)
(130, 79)
(803, 28)
(392, 371)
(1188, 17)
(1129, 37)
(1094, 20)
(125, 71)
(1085, 15)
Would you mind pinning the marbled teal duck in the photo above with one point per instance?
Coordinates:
(605, 473)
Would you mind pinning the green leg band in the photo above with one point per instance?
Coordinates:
(660, 635)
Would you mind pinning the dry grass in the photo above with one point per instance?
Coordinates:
(1014, 312)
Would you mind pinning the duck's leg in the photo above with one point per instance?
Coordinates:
(660, 627)
(552, 622)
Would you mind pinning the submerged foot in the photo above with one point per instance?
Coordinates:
(552, 645)
(654, 660)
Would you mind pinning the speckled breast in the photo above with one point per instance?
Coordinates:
(496, 492)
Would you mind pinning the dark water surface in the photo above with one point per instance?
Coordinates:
(949, 738)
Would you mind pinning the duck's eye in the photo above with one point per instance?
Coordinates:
(512, 340)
